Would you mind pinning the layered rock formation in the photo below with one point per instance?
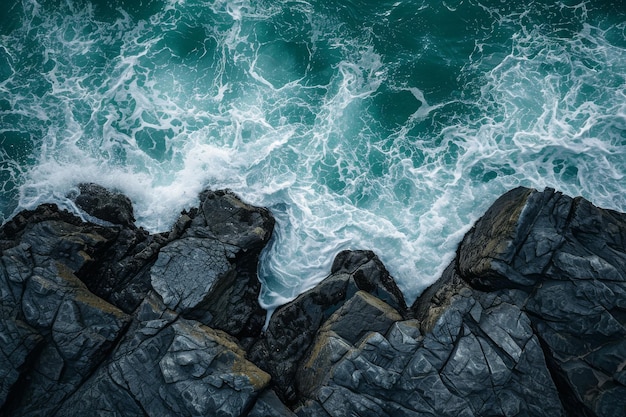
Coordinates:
(102, 317)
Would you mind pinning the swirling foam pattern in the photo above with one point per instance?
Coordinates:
(388, 125)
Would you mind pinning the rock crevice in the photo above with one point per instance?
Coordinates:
(102, 317)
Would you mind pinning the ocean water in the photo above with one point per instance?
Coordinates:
(386, 125)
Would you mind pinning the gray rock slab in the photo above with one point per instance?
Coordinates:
(170, 366)
(187, 270)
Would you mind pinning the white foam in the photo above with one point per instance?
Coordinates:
(538, 114)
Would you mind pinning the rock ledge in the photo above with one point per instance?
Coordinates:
(105, 318)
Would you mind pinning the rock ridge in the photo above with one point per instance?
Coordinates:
(100, 316)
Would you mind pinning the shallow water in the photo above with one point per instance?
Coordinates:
(386, 125)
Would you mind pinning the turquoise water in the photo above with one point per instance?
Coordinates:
(388, 125)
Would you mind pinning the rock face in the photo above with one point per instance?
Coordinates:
(528, 320)
(84, 325)
(105, 205)
(208, 269)
(563, 262)
(169, 366)
(293, 327)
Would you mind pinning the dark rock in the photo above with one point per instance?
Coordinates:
(54, 234)
(169, 366)
(121, 273)
(563, 262)
(436, 299)
(103, 204)
(528, 320)
(61, 331)
(209, 272)
(76, 329)
(187, 269)
(370, 275)
(19, 341)
(361, 315)
(293, 327)
(480, 358)
(269, 405)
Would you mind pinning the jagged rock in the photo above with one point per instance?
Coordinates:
(470, 364)
(75, 330)
(529, 319)
(61, 332)
(121, 273)
(563, 261)
(209, 272)
(187, 269)
(170, 366)
(18, 342)
(360, 315)
(370, 275)
(54, 234)
(293, 327)
(113, 262)
(65, 330)
(105, 205)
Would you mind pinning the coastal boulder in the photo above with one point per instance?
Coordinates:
(103, 204)
(293, 327)
(208, 271)
(170, 366)
(562, 261)
(479, 358)
(62, 329)
(62, 280)
(55, 330)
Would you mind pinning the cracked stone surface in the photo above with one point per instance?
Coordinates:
(470, 364)
(187, 269)
(292, 328)
(105, 205)
(528, 320)
(563, 262)
(169, 366)
(71, 328)
(61, 280)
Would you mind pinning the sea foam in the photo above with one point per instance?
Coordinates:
(388, 126)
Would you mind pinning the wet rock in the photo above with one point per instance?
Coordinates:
(112, 261)
(18, 342)
(269, 405)
(208, 272)
(106, 205)
(74, 330)
(121, 273)
(170, 366)
(528, 320)
(62, 330)
(292, 328)
(361, 315)
(370, 275)
(480, 358)
(59, 279)
(563, 262)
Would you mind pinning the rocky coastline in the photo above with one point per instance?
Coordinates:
(100, 317)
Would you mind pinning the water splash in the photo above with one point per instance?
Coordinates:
(390, 126)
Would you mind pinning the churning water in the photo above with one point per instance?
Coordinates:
(386, 125)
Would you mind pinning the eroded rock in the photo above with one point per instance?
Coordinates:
(469, 364)
(293, 327)
(170, 366)
(104, 204)
(208, 272)
(529, 319)
(563, 262)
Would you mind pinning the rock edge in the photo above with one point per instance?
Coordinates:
(529, 319)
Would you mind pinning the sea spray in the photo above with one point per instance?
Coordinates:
(389, 126)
